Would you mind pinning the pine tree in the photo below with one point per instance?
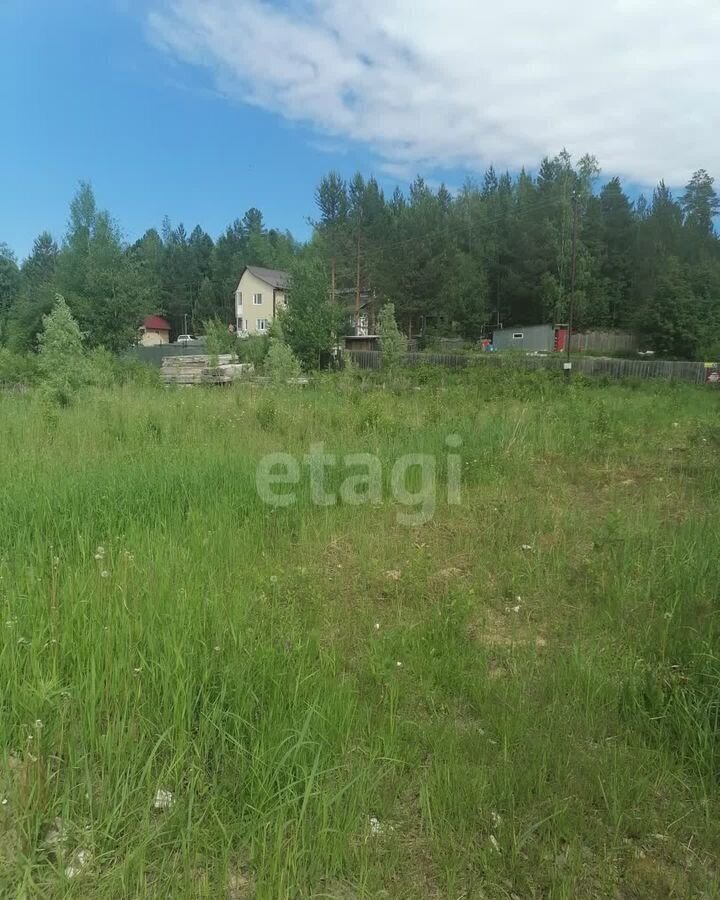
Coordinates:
(700, 203)
(61, 357)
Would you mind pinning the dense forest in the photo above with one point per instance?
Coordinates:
(498, 250)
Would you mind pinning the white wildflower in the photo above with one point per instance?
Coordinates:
(527, 547)
(398, 664)
(164, 799)
(375, 826)
(494, 843)
(377, 626)
(79, 861)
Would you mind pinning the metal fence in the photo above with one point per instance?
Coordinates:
(693, 372)
(154, 356)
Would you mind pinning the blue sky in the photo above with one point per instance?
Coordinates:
(199, 109)
(86, 96)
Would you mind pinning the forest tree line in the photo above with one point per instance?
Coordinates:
(498, 250)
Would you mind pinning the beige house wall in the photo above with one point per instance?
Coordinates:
(246, 309)
(154, 338)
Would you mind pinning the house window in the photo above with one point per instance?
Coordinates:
(238, 298)
(518, 336)
(261, 324)
(257, 299)
(239, 324)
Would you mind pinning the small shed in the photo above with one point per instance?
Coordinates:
(154, 331)
(525, 337)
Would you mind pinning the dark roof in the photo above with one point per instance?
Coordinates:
(274, 277)
(155, 323)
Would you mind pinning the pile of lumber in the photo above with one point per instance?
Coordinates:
(197, 370)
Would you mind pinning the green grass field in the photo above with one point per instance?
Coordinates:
(519, 698)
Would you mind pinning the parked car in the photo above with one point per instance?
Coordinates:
(186, 339)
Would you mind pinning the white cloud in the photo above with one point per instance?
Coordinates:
(462, 83)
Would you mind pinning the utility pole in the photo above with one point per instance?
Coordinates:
(568, 364)
(357, 274)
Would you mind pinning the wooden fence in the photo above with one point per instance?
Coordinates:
(693, 372)
(604, 341)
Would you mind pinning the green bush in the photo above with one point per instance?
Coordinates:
(105, 369)
(393, 342)
(218, 340)
(253, 349)
(281, 364)
(17, 368)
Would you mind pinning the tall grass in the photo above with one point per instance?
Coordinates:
(342, 706)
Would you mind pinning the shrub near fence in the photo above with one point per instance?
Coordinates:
(668, 370)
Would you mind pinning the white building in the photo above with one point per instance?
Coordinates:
(260, 294)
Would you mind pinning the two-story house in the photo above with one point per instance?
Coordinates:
(260, 294)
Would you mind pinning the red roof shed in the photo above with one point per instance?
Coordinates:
(155, 323)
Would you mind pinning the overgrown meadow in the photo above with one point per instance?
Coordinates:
(204, 696)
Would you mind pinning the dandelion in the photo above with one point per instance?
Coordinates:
(377, 626)
(38, 724)
(138, 670)
(398, 664)
(104, 574)
(217, 649)
(100, 553)
(4, 801)
(273, 579)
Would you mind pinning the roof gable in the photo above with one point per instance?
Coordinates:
(274, 277)
(155, 323)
